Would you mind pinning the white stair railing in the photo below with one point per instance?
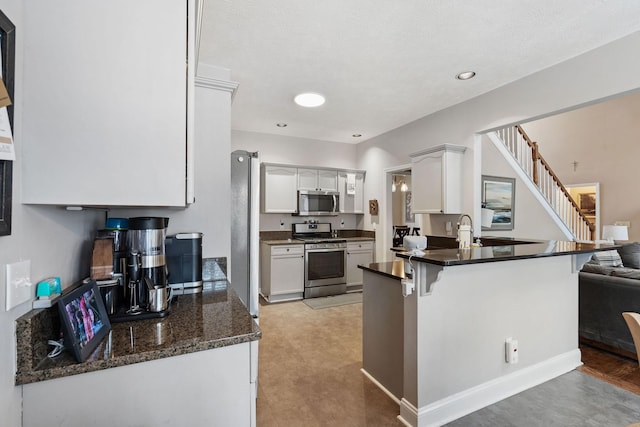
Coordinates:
(526, 154)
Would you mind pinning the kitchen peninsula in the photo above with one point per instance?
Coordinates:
(192, 367)
(440, 351)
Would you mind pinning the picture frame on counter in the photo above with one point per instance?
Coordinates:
(7, 50)
(499, 195)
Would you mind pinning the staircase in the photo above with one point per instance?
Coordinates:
(516, 146)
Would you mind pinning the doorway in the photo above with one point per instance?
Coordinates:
(398, 206)
(587, 196)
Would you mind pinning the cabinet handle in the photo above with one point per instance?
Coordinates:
(287, 249)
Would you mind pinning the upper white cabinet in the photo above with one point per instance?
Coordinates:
(351, 203)
(436, 174)
(105, 102)
(317, 179)
(279, 189)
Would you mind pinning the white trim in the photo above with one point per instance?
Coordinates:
(408, 413)
(380, 386)
(497, 142)
(217, 84)
(460, 404)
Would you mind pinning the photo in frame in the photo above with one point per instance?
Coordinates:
(498, 194)
(7, 52)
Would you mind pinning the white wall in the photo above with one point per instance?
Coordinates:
(607, 71)
(530, 219)
(603, 140)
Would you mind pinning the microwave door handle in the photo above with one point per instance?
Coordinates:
(335, 204)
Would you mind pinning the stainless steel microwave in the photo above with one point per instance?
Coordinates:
(314, 203)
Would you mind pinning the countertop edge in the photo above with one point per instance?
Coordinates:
(101, 365)
(461, 254)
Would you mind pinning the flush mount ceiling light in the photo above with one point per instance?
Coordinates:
(309, 99)
(466, 75)
(281, 125)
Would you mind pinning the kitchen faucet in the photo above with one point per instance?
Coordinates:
(465, 232)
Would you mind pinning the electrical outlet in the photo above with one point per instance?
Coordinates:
(511, 350)
(342, 223)
(19, 286)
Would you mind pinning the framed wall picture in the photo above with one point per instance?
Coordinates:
(7, 52)
(499, 195)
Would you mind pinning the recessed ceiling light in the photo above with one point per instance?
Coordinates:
(356, 135)
(309, 99)
(466, 75)
(281, 125)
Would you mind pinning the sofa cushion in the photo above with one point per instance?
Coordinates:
(591, 267)
(608, 258)
(628, 273)
(630, 255)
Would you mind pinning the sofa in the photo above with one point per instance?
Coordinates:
(609, 284)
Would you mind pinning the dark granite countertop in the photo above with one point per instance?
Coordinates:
(522, 250)
(215, 318)
(391, 269)
(275, 242)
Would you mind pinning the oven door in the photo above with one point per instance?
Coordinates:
(325, 267)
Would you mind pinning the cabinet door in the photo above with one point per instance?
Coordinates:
(105, 101)
(438, 171)
(327, 180)
(307, 179)
(355, 258)
(287, 274)
(427, 170)
(279, 189)
(358, 198)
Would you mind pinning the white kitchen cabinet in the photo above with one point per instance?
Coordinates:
(282, 272)
(351, 203)
(176, 388)
(436, 174)
(358, 253)
(105, 101)
(279, 189)
(317, 179)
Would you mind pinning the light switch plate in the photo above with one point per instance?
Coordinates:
(19, 286)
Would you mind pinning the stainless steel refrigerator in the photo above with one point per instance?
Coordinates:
(245, 216)
(245, 250)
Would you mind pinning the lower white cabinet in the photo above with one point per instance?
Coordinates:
(205, 388)
(282, 272)
(357, 253)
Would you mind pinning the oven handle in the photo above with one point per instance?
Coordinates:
(326, 250)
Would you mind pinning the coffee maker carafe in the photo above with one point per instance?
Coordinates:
(146, 237)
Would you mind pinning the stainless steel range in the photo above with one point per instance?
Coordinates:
(325, 259)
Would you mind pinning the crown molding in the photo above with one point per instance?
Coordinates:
(217, 84)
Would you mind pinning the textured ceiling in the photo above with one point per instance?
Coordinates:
(384, 63)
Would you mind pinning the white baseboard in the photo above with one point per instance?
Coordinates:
(380, 386)
(470, 400)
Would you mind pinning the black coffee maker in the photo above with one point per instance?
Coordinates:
(146, 260)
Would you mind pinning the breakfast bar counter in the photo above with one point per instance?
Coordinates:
(436, 324)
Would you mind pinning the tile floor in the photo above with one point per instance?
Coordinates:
(309, 375)
(309, 372)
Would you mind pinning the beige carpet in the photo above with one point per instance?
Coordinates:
(334, 300)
